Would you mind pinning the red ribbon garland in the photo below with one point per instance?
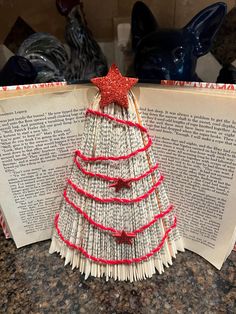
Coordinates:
(108, 178)
(114, 262)
(115, 158)
(98, 225)
(116, 199)
(102, 227)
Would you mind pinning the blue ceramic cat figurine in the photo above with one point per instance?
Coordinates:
(171, 54)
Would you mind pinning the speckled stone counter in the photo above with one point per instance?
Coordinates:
(32, 281)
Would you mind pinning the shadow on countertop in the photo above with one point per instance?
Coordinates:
(32, 281)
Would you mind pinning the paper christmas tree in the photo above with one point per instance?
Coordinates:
(115, 217)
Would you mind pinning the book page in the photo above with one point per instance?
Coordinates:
(38, 136)
(195, 143)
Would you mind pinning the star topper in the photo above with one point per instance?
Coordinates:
(123, 237)
(114, 87)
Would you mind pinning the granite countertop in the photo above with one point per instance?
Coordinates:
(32, 281)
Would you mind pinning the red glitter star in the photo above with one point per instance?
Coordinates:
(114, 87)
(124, 237)
(120, 184)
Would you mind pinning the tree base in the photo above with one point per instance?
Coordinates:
(124, 272)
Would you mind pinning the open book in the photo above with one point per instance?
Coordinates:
(194, 133)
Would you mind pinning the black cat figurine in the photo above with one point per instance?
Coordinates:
(171, 54)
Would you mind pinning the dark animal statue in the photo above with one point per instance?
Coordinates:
(81, 59)
(227, 74)
(171, 54)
